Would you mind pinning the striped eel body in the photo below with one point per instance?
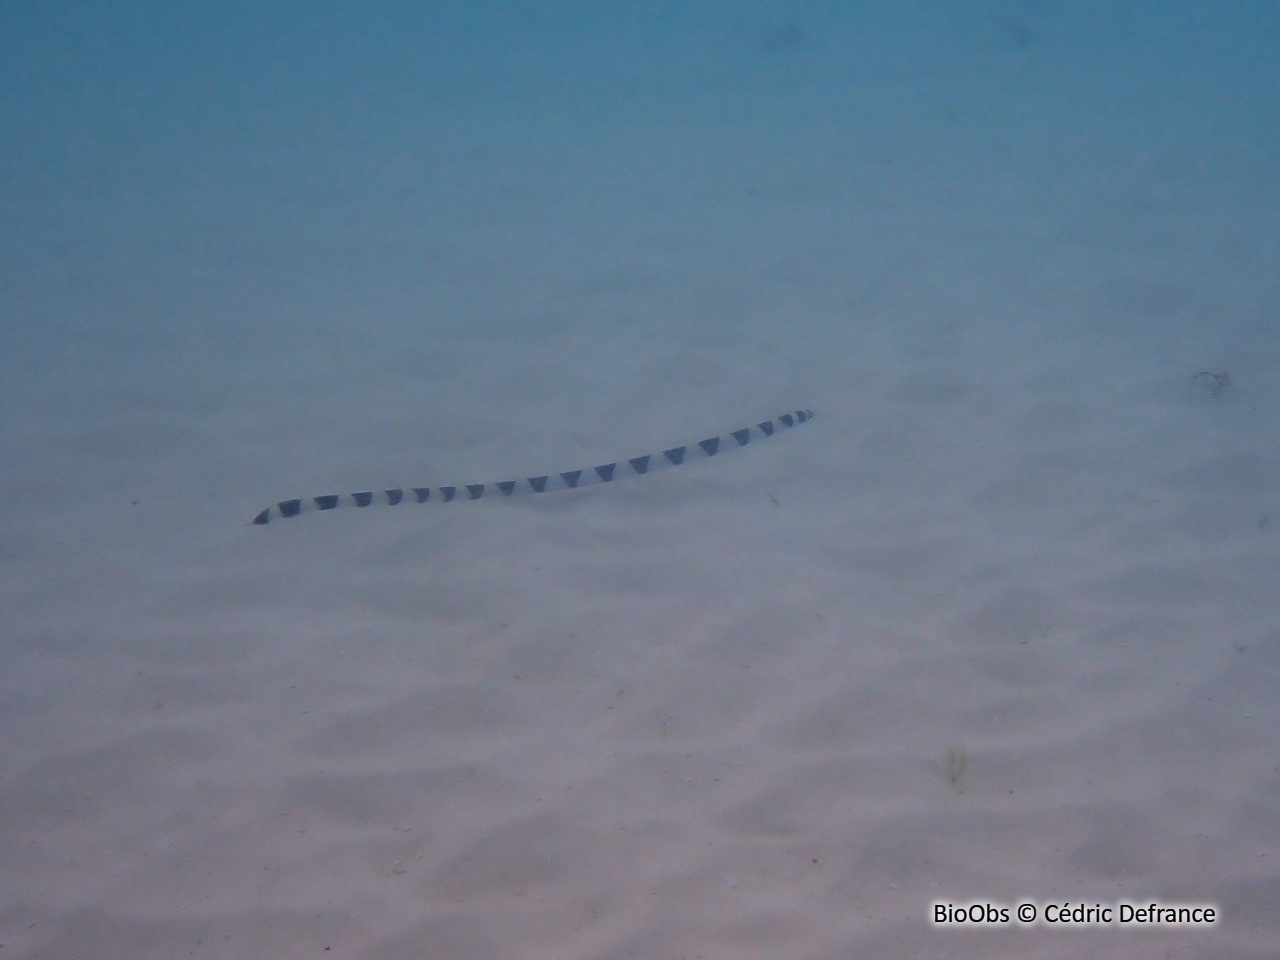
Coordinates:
(545, 483)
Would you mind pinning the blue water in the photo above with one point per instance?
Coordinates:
(202, 166)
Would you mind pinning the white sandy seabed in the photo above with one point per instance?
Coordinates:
(981, 631)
